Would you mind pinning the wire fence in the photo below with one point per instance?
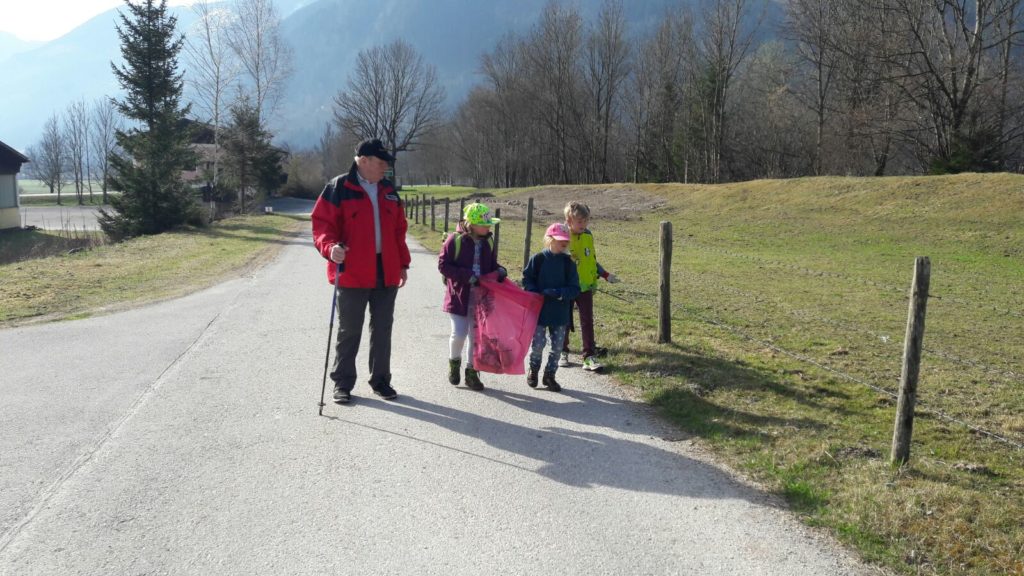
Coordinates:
(891, 340)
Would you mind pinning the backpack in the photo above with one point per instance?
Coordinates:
(458, 244)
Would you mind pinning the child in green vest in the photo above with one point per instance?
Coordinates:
(581, 249)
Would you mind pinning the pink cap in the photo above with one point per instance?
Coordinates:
(558, 231)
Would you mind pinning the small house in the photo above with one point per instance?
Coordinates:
(10, 164)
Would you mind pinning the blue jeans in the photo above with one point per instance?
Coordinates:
(557, 339)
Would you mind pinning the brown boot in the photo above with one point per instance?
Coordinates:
(549, 382)
(473, 380)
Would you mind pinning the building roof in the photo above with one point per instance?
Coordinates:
(9, 155)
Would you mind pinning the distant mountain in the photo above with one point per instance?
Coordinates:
(43, 81)
(451, 35)
(326, 37)
(11, 45)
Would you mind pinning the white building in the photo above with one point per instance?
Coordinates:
(10, 164)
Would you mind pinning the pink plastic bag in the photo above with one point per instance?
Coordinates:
(506, 317)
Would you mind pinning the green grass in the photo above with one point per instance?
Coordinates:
(437, 191)
(136, 271)
(820, 268)
(19, 244)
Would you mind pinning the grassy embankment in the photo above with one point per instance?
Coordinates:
(140, 270)
(819, 268)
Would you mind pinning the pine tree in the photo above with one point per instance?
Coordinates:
(251, 163)
(148, 174)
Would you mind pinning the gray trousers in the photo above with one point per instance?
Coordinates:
(352, 304)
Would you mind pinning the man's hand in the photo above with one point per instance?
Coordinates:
(474, 280)
(613, 279)
(338, 253)
(502, 273)
(405, 277)
(553, 293)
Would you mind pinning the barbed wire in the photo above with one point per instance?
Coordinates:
(812, 272)
(923, 407)
(876, 336)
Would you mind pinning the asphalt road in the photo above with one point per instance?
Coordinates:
(183, 438)
(67, 217)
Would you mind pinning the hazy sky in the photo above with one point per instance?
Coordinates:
(49, 19)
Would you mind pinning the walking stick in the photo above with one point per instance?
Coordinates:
(330, 334)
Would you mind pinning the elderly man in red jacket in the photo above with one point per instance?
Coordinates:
(359, 227)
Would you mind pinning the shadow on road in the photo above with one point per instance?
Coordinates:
(571, 457)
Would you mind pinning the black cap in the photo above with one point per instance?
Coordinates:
(374, 147)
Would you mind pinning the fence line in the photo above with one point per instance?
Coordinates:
(805, 315)
(942, 415)
(923, 407)
(812, 272)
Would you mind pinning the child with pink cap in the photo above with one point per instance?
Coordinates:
(552, 273)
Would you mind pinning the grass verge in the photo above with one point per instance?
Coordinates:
(140, 270)
(789, 310)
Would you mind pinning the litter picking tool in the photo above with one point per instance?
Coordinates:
(330, 334)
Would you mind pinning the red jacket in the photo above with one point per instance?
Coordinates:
(344, 215)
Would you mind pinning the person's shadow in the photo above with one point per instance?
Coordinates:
(572, 457)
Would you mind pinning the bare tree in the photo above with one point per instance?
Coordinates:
(726, 41)
(1010, 28)
(945, 70)
(105, 124)
(655, 110)
(213, 67)
(51, 161)
(76, 138)
(334, 157)
(811, 25)
(392, 95)
(607, 67)
(255, 37)
(504, 70)
(553, 55)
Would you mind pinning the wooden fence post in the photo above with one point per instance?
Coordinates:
(424, 210)
(416, 209)
(462, 207)
(497, 231)
(433, 225)
(911, 361)
(447, 205)
(665, 288)
(529, 229)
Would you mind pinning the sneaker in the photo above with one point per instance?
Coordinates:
(453, 371)
(591, 363)
(531, 378)
(341, 396)
(549, 382)
(385, 391)
(563, 360)
(473, 380)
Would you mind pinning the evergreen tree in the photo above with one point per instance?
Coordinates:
(148, 174)
(251, 163)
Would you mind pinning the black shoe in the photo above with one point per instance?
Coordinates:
(453, 371)
(385, 391)
(341, 396)
(600, 351)
(473, 380)
(549, 382)
(531, 378)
